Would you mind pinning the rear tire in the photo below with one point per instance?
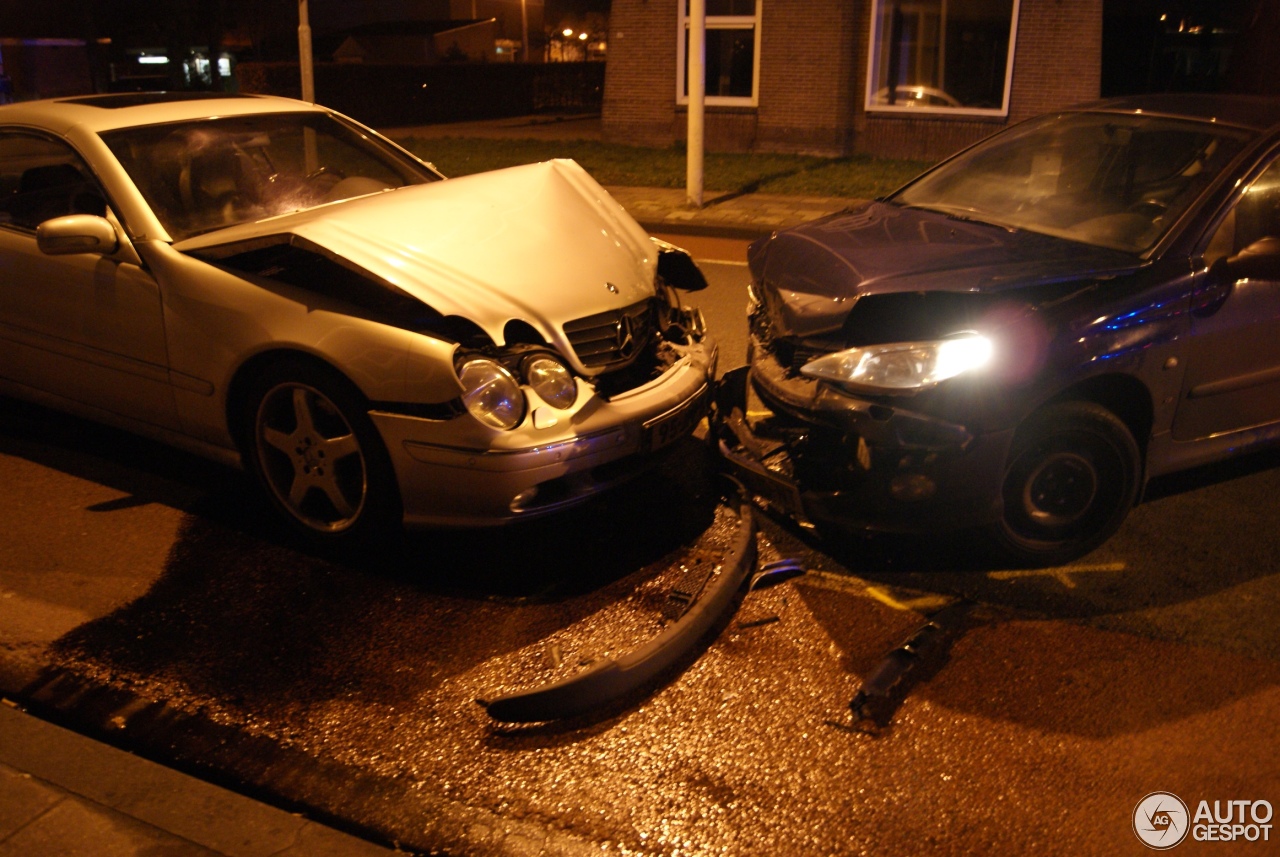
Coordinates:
(318, 457)
(1071, 477)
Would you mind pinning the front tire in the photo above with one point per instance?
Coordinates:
(1071, 477)
(317, 455)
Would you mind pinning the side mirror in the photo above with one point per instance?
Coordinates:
(77, 233)
(1269, 246)
(677, 267)
(1259, 261)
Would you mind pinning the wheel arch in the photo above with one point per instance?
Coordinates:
(237, 402)
(1124, 395)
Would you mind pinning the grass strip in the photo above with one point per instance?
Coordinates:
(856, 176)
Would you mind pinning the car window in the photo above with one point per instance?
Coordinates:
(1253, 220)
(42, 178)
(200, 176)
(1258, 211)
(1112, 180)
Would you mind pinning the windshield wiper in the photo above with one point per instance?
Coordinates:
(957, 214)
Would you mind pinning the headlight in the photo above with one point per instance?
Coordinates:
(490, 393)
(551, 380)
(902, 367)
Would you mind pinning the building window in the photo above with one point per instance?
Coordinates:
(945, 56)
(732, 56)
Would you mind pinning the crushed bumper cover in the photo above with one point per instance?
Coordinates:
(611, 679)
(859, 465)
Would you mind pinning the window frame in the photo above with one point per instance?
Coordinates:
(1208, 246)
(718, 22)
(81, 163)
(877, 19)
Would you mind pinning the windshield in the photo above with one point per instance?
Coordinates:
(1116, 181)
(206, 175)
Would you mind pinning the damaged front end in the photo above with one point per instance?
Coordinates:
(541, 366)
(816, 452)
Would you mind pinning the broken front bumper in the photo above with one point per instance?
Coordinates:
(821, 456)
(612, 679)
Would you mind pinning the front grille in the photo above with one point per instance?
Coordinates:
(611, 340)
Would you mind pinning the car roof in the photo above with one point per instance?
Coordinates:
(1246, 111)
(100, 113)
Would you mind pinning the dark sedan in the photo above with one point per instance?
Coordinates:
(1021, 338)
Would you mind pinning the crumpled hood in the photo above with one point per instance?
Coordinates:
(812, 274)
(542, 243)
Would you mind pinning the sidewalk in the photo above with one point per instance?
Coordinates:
(64, 794)
(729, 215)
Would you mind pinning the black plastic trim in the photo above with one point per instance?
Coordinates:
(611, 679)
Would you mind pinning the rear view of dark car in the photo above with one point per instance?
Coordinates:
(1018, 340)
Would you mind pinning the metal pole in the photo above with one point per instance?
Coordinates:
(524, 30)
(697, 75)
(304, 53)
(309, 152)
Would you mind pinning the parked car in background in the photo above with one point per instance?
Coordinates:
(1016, 342)
(915, 96)
(266, 282)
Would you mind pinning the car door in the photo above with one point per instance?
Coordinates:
(84, 327)
(1232, 379)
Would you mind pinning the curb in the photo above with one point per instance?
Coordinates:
(138, 803)
(308, 790)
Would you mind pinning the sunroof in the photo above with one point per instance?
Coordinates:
(137, 99)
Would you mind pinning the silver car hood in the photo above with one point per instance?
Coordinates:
(543, 243)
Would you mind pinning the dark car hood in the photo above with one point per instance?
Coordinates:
(813, 274)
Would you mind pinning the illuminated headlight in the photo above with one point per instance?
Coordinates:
(490, 393)
(902, 367)
(551, 380)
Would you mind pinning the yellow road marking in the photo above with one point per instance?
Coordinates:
(920, 604)
(914, 601)
(1061, 573)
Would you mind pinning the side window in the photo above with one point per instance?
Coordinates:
(1255, 217)
(41, 178)
(1258, 211)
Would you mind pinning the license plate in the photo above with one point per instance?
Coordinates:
(675, 424)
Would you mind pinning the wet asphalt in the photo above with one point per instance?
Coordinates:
(147, 599)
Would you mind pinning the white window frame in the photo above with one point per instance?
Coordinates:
(718, 22)
(877, 20)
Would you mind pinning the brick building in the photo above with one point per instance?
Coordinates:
(908, 78)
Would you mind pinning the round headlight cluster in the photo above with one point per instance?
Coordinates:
(551, 380)
(491, 394)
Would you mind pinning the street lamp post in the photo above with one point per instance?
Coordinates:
(524, 30)
(304, 53)
(697, 101)
(310, 154)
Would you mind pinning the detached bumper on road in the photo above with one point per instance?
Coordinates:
(611, 679)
